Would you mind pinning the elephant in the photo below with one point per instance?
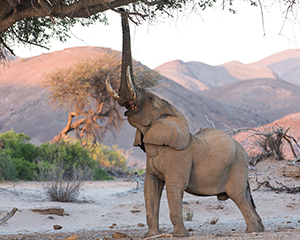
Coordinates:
(208, 163)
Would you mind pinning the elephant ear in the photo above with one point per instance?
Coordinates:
(138, 141)
(171, 131)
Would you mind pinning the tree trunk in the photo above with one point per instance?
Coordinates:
(69, 127)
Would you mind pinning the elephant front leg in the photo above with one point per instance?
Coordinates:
(152, 191)
(175, 195)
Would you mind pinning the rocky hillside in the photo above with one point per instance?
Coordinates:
(268, 98)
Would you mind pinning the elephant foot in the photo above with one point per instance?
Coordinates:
(151, 233)
(181, 233)
(259, 228)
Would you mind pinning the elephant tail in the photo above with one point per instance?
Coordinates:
(249, 195)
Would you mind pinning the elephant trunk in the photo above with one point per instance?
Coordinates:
(127, 86)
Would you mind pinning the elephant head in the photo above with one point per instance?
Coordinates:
(157, 121)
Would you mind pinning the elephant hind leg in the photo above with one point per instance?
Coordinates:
(245, 203)
(249, 196)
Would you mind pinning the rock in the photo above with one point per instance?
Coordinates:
(114, 225)
(290, 171)
(141, 225)
(57, 227)
(119, 235)
(74, 237)
(135, 211)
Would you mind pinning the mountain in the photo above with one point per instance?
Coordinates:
(195, 76)
(199, 77)
(243, 71)
(270, 99)
(285, 64)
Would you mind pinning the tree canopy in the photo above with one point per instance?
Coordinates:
(81, 90)
(36, 22)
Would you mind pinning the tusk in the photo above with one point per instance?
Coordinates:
(110, 89)
(130, 84)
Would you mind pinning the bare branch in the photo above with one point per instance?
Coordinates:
(270, 141)
(8, 216)
(211, 122)
(282, 188)
(289, 9)
(262, 17)
(295, 162)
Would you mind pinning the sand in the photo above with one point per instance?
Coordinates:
(106, 208)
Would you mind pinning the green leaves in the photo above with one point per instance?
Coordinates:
(21, 160)
(41, 31)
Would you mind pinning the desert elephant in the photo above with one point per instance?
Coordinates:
(204, 164)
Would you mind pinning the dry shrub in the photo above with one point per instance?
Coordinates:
(188, 214)
(213, 221)
(61, 188)
(271, 141)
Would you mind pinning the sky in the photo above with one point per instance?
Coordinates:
(213, 36)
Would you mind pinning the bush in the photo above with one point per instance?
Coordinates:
(21, 160)
(101, 174)
(18, 146)
(17, 157)
(108, 156)
(70, 156)
(26, 170)
(57, 187)
(8, 171)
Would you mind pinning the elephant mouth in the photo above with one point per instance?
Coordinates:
(131, 106)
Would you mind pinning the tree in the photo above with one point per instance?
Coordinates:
(81, 90)
(38, 21)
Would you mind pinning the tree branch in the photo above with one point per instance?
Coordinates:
(78, 9)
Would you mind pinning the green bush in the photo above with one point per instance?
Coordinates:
(25, 170)
(101, 174)
(18, 146)
(17, 157)
(68, 155)
(8, 170)
(21, 160)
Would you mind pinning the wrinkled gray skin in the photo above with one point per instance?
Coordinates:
(205, 164)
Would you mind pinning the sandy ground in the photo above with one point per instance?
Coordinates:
(107, 208)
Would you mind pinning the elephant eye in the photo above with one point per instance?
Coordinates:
(150, 98)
